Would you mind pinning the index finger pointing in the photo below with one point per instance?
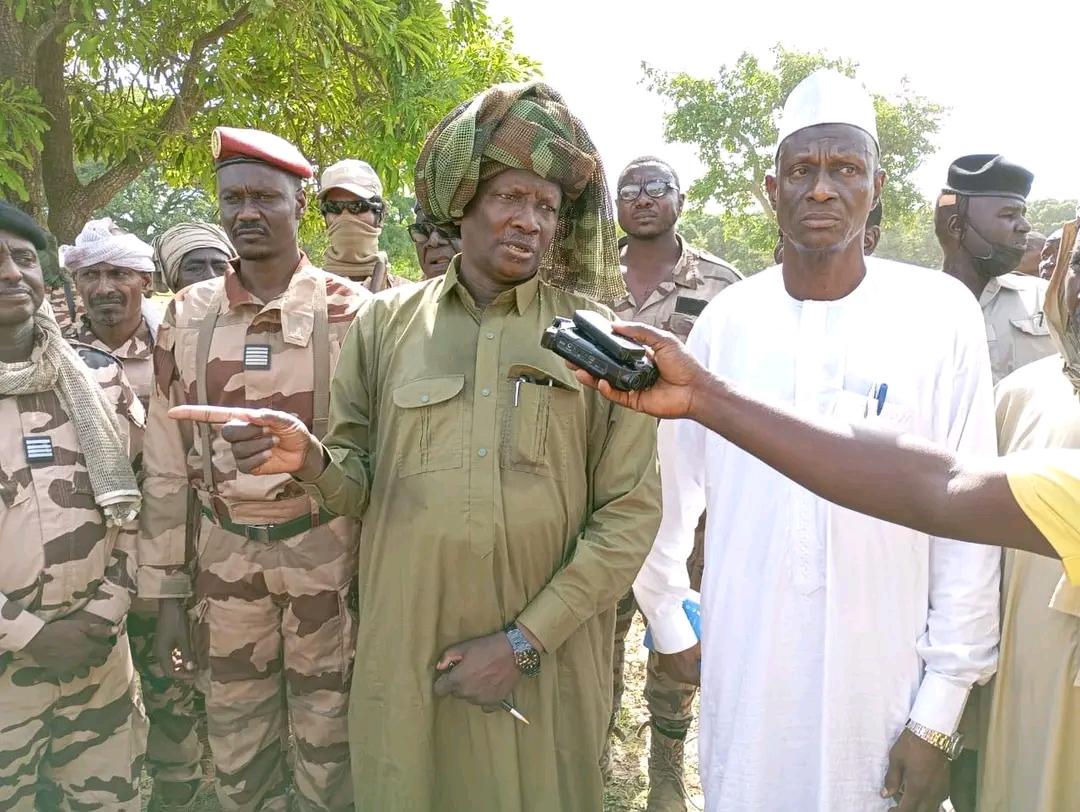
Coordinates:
(212, 414)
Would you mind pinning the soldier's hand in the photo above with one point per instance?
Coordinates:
(482, 671)
(263, 441)
(684, 667)
(71, 646)
(172, 643)
(681, 376)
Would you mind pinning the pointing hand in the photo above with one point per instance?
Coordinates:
(263, 441)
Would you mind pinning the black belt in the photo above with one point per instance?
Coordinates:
(266, 533)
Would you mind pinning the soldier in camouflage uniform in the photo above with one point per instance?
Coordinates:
(352, 205)
(669, 283)
(113, 271)
(73, 727)
(273, 629)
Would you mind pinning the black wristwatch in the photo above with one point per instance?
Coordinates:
(527, 658)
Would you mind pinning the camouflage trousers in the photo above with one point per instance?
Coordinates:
(173, 750)
(670, 702)
(72, 746)
(274, 632)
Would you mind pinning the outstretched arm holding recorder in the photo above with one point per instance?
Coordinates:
(1027, 501)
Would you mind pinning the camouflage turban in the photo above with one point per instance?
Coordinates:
(528, 126)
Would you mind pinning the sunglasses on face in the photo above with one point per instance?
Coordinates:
(351, 206)
(421, 233)
(654, 189)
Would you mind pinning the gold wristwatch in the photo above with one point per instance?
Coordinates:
(951, 746)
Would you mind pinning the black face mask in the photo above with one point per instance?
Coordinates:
(1000, 260)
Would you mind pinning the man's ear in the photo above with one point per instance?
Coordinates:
(879, 184)
(770, 190)
(955, 225)
(147, 284)
(301, 203)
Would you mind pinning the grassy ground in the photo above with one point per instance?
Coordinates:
(629, 787)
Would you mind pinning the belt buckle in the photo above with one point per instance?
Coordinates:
(258, 532)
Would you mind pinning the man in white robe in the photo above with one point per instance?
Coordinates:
(837, 651)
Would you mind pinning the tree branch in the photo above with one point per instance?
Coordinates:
(174, 119)
(187, 97)
(763, 201)
(47, 29)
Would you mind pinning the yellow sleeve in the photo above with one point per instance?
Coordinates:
(1047, 488)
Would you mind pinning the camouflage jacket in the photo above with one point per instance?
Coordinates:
(58, 554)
(677, 302)
(136, 354)
(275, 339)
(137, 357)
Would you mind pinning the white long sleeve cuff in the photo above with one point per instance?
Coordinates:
(940, 703)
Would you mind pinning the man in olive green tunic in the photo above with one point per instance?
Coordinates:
(505, 507)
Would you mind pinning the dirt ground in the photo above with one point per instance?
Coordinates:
(629, 787)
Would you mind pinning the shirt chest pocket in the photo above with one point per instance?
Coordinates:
(896, 418)
(429, 424)
(537, 425)
(681, 324)
(1035, 327)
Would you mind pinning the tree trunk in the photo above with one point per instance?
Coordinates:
(16, 63)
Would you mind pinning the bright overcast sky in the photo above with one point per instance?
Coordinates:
(998, 67)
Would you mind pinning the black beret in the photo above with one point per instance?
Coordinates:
(989, 176)
(19, 222)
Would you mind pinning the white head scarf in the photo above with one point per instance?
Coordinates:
(104, 241)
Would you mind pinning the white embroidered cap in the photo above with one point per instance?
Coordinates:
(827, 97)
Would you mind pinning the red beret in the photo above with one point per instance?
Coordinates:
(234, 145)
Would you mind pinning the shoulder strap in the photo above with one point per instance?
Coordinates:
(202, 360)
(320, 350)
(70, 297)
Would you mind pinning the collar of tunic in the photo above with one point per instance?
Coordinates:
(684, 274)
(140, 346)
(294, 308)
(523, 294)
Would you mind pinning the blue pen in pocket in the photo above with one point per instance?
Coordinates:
(882, 393)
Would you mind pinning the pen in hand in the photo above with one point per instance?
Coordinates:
(514, 712)
(506, 705)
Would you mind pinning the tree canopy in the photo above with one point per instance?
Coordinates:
(732, 121)
(128, 83)
(1047, 216)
